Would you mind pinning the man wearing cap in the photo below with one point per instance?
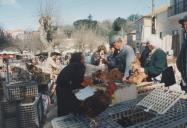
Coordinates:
(124, 57)
(182, 58)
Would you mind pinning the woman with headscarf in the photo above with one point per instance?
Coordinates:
(157, 61)
(69, 79)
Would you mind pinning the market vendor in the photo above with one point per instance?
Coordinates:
(124, 56)
(157, 61)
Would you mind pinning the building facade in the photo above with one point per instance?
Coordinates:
(167, 26)
(176, 11)
(131, 40)
(143, 30)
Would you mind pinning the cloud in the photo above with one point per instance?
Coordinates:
(7, 2)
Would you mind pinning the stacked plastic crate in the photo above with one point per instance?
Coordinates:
(162, 108)
(9, 114)
(29, 113)
(21, 102)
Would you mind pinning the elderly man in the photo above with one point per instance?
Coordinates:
(123, 58)
(182, 58)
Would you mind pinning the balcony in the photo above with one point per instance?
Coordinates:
(177, 8)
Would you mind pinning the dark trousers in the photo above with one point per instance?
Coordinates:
(66, 101)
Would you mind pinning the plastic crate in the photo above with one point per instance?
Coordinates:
(28, 114)
(112, 110)
(71, 121)
(160, 100)
(19, 90)
(75, 121)
(9, 117)
(135, 116)
(175, 117)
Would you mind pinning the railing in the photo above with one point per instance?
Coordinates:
(177, 8)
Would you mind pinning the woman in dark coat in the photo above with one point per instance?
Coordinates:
(69, 79)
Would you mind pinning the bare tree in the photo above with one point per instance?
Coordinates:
(30, 41)
(48, 24)
(87, 39)
(104, 28)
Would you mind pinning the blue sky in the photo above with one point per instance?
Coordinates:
(24, 14)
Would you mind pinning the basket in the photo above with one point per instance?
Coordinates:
(20, 90)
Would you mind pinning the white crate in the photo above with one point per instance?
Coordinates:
(70, 121)
(28, 114)
(160, 100)
(124, 93)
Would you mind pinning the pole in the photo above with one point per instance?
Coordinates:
(7, 69)
(153, 18)
(153, 8)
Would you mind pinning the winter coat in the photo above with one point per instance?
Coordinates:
(155, 63)
(69, 79)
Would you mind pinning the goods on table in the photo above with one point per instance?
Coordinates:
(138, 76)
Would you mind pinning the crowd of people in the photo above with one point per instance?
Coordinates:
(67, 74)
(153, 61)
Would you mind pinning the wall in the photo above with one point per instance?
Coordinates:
(169, 27)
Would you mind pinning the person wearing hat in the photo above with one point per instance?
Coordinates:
(123, 58)
(182, 58)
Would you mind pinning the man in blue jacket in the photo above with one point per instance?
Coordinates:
(124, 57)
(182, 58)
